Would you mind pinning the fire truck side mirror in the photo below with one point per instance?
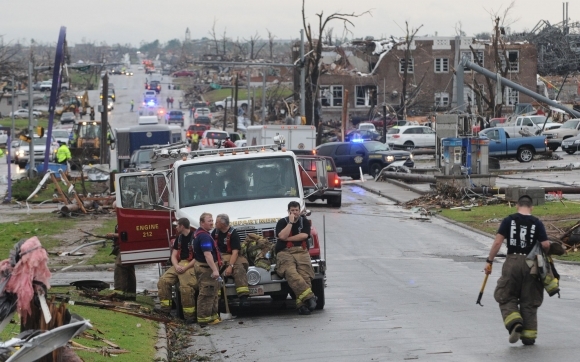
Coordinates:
(124, 236)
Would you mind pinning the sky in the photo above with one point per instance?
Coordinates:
(134, 21)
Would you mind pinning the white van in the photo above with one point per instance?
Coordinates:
(147, 120)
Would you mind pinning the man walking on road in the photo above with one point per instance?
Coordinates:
(206, 266)
(132, 104)
(182, 270)
(293, 259)
(519, 292)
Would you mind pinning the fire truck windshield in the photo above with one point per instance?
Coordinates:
(237, 180)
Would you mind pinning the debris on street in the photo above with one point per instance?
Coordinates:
(446, 196)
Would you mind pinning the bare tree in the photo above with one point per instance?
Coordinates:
(312, 62)
(328, 36)
(224, 42)
(407, 62)
(271, 43)
(255, 48)
(214, 38)
(501, 65)
(240, 49)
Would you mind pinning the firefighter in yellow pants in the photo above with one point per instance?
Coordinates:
(229, 244)
(207, 260)
(182, 270)
(519, 292)
(292, 257)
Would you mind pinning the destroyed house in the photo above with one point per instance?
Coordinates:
(373, 72)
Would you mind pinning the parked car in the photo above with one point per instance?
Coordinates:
(140, 160)
(205, 120)
(61, 135)
(523, 148)
(370, 156)
(333, 194)
(67, 117)
(202, 112)
(569, 129)
(362, 135)
(212, 139)
(23, 113)
(174, 117)
(183, 73)
(45, 85)
(411, 137)
(196, 128)
(22, 154)
(571, 145)
(366, 126)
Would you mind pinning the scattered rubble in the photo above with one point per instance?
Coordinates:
(447, 196)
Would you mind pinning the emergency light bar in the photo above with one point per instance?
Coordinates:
(233, 150)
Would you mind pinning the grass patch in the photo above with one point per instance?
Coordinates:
(134, 334)
(103, 255)
(20, 124)
(555, 216)
(43, 226)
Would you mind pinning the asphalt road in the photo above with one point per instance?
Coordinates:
(397, 289)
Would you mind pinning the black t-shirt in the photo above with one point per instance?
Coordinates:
(203, 242)
(302, 225)
(522, 232)
(235, 243)
(186, 244)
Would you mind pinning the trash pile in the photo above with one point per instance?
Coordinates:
(24, 282)
(71, 201)
(447, 196)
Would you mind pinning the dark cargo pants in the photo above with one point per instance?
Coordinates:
(239, 273)
(187, 287)
(207, 301)
(294, 265)
(124, 278)
(519, 295)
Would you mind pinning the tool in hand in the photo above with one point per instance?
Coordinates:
(481, 291)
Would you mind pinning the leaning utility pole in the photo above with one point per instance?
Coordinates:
(30, 123)
(344, 114)
(302, 77)
(236, 105)
(103, 144)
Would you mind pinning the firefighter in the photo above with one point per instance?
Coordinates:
(92, 114)
(293, 259)
(63, 153)
(519, 292)
(181, 271)
(207, 261)
(125, 286)
(234, 264)
(194, 141)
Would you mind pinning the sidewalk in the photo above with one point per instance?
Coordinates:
(393, 190)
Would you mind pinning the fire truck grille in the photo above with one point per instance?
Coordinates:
(245, 230)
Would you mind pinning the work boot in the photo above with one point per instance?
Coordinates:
(163, 311)
(528, 341)
(515, 333)
(312, 303)
(244, 301)
(303, 310)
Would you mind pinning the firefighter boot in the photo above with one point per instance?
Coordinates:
(311, 303)
(515, 333)
(244, 302)
(303, 310)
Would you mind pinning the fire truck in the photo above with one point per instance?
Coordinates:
(187, 184)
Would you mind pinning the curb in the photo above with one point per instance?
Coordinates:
(467, 227)
(407, 186)
(162, 353)
(379, 193)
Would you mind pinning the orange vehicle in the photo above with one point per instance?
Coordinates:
(333, 194)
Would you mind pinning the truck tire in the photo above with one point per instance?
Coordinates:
(525, 154)
(220, 108)
(570, 152)
(553, 148)
(318, 290)
(375, 169)
(335, 201)
(409, 146)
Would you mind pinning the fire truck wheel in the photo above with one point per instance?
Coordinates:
(318, 290)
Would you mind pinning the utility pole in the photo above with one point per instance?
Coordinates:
(248, 112)
(104, 122)
(8, 145)
(30, 124)
(344, 114)
(264, 95)
(236, 105)
(302, 77)
(225, 115)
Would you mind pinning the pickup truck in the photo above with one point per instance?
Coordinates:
(220, 105)
(569, 129)
(523, 148)
(47, 85)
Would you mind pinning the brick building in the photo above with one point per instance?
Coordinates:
(431, 68)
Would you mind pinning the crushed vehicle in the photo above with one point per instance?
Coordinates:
(252, 184)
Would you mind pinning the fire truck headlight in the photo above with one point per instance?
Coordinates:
(184, 152)
(174, 153)
(253, 277)
(164, 153)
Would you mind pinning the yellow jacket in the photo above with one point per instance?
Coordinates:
(63, 153)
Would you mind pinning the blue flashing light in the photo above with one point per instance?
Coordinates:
(151, 103)
(357, 140)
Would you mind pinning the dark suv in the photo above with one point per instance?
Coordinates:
(154, 85)
(371, 156)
